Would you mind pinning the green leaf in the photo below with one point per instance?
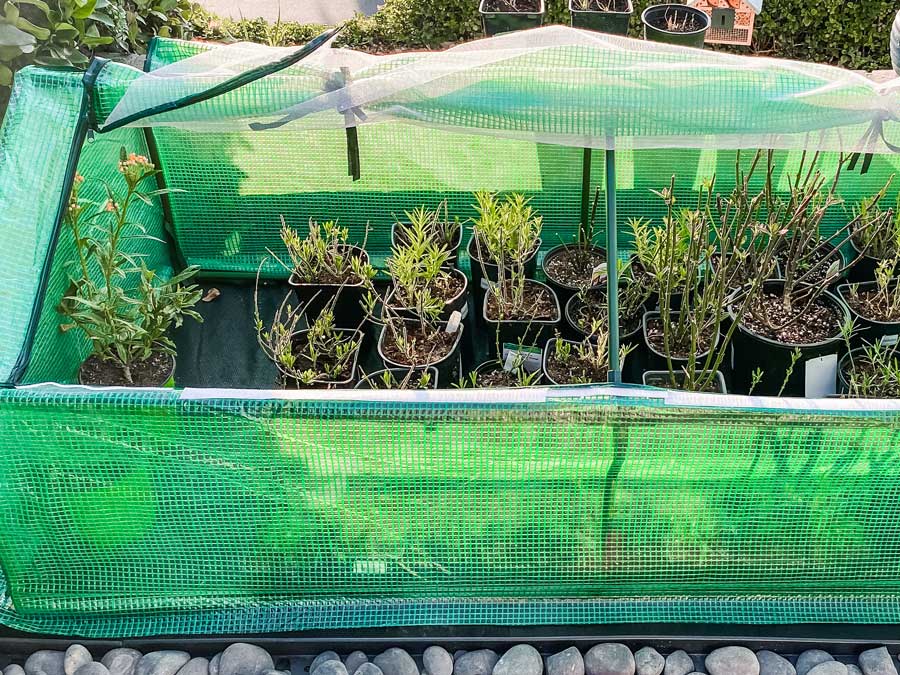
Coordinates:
(6, 76)
(10, 36)
(84, 8)
(39, 32)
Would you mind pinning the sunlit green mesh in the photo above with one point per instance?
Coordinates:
(344, 514)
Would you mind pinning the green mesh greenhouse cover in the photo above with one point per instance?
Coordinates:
(215, 510)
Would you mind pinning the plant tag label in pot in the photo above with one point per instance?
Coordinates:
(529, 358)
(888, 340)
(821, 376)
(464, 312)
(453, 322)
(485, 283)
(598, 273)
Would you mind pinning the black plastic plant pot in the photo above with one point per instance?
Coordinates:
(347, 383)
(615, 23)
(549, 349)
(832, 253)
(812, 374)
(525, 333)
(456, 304)
(374, 380)
(563, 290)
(656, 16)
(503, 22)
(448, 367)
(868, 331)
(656, 360)
(662, 379)
(864, 269)
(347, 309)
(483, 272)
(166, 381)
(495, 366)
(452, 247)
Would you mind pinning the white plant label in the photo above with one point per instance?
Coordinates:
(598, 273)
(888, 340)
(485, 283)
(529, 358)
(453, 322)
(821, 376)
(464, 312)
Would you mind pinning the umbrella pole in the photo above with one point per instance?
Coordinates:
(612, 272)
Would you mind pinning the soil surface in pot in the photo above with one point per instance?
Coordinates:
(152, 372)
(332, 279)
(821, 321)
(300, 345)
(575, 370)
(675, 21)
(400, 380)
(427, 347)
(594, 307)
(574, 266)
(665, 382)
(512, 6)
(871, 304)
(601, 6)
(497, 378)
(639, 275)
(656, 338)
(537, 305)
(820, 262)
(445, 288)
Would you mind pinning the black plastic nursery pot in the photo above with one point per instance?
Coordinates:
(662, 379)
(615, 23)
(455, 304)
(656, 16)
(864, 269)
(504, 22)
(452, 247)
(550, 349)
(494, 366)
(563, 290)
(374, 380)
(347, 297)
(293, 383)
(868, 331)
(656, 360)
(813, 373)
(525, 333)
(167, 381)
(483, 272)
(448, 367)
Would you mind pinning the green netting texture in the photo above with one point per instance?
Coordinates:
(35, 141)
(145, 512)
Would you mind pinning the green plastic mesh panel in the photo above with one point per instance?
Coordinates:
(206, 516)
(35, 142)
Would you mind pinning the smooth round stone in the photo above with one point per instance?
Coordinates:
(771, 663)
(368, 669)
(14, 669)
(479, 662)
(166, 662)
(330, 668)
(648, 661)
(92, 668)
(732, 661)
(214, 664)
(272, 672)
(828, 668)
(244, 659)
(611, 658)
(121, 661)
(567, 662)
(196, 666)
(679, 663)
(851, 670)
(437, 661)
(457, 654)
(322, 658)
(76, 656)
(47, 661)
(810, 658)
(520, 660)
(396, 662)
(354, 660)
(877, 662)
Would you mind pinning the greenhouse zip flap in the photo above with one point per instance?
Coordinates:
(554, 85)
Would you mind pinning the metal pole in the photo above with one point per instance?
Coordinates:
(612, 272)
(585, 190)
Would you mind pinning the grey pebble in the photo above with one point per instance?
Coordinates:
(679, 663)
(851, 670)
(244, 659)
(396, 661)
(330, 668)
(810, 658)
(829, 668)
(771, 663)
(166, 662)
(611, 658)
(92, 668)
(354, 660)
(648, 661)
(214, 664)
(566, 662)
(877, 662)
(732, 661)
(479, 662)
(267, 672)
(48, 661)
(14, 669)
(457, 654)
(368, 669)
(196, 666)
(520, 660)
(322, 658)
(76, 656)
(121, 661)
(437, 661)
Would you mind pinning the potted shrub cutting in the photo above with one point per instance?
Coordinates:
(606, 16)
(400, 378)
(502, 16)
(585, 362)
(128, 329)
(875, 305)
(675, 24)
(570, 268)
(874, 242)
(437, 227)
(511, 373)
(871, 371)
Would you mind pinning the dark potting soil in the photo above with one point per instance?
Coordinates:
(444, 288)
(820, 262)
(349, 278)
(150, 373)
(300, 345)
(870, 304)
(523, 6)
(602, 6)
(575, 370)
(675, 21)
(574, 266)
(537, 305)
(665, 382)
(595, 308)
(497, 378)
(821, 321)
(428, 347)
(656, 338)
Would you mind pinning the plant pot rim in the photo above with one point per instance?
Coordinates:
(453, 248)
(306, 284)
(455, 298)
(546, 354)
(719, 377)
(856, 248)
(654, 314)
(482, 10)
(472, 250)
(570, 304)
(630, 9)
(407, 366)
(563, 247)
(680, 6)
(539, 322)
(846, 286)
(367, 377)
(496, 364)
(837, 301)
(335, 383)
(170, 375)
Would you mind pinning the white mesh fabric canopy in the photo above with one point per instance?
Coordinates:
(553, 85)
